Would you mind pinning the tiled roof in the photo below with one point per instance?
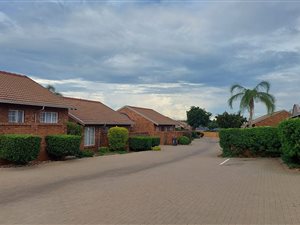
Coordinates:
(20, 89)
(152, 116)
(89, 112)
(296, 110)
(259, 119)
(184, 124)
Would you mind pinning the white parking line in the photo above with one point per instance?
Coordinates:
(223, 162)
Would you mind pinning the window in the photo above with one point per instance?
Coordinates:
(49, 117)
(15, 116)
(89, 136)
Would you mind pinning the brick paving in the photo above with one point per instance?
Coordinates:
(179, 185)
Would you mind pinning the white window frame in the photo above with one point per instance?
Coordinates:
(89, 136)
(16, 117)
(49, 117)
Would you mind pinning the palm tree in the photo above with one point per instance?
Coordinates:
(53, 90)
(247, 98)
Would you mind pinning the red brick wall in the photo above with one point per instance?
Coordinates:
(101, 139)
(167, 136)
(31, 123)
(274, 120)
(211, 134)
(141, 125)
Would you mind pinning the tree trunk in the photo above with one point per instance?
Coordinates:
(251, 111)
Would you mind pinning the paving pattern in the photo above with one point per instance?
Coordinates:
(179, 185)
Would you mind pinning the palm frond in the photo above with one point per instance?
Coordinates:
(234, 98)
(246, 99)
(264, 85)
(268, 100)
(237, 87)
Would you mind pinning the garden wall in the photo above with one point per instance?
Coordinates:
(211, 134)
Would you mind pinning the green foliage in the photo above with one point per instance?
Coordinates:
(155, 141)
(212, 125)
(19, 149)
(198, 117)
(259, 141)
(117, 138)
(289, 133)
(140, 143)
(227, 120)
(156, 148)
(247, 97)
(183, 140)
(195, 134)
(59, 146)
(53, 90)
(85, 153)
(74, 129)
(188, 134)
(103, 150)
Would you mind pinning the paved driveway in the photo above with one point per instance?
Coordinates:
(178, 185)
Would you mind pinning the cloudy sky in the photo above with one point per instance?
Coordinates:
(167, 55)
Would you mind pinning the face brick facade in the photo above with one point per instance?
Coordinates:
(21, 95)
(32, 124)
(96, 119)
(150, 122)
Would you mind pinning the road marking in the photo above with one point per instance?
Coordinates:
(223, 162)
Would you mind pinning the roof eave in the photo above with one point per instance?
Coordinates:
(6, 101)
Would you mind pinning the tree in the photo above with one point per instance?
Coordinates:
(247, 97)
(53, 90)
(212, 125)
(197, 117)
(227, 120)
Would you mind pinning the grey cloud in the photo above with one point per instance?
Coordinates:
(210, 44)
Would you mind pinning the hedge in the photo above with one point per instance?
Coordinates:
(85, 153)
(140, 143)
(258, 141)
(19, 149)
(289, 133)
(184, 140)
(117, 138)
(188, 134)
(74, 129)
(59, 146)
(155, 141)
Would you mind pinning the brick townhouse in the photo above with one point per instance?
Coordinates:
(28, 108)
(149, 122)
(272, 119)
(96, 118)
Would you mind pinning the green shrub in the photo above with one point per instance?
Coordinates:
(156, 148)
(140, 143)
(103, 150)
(289, 133)
(195, 135)
(258, 141)
(117, 138)
(155, 141)
(59, 146)
(188, 134)
(183, 140)
(74, 129)
(85, 153)
(19, 149)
